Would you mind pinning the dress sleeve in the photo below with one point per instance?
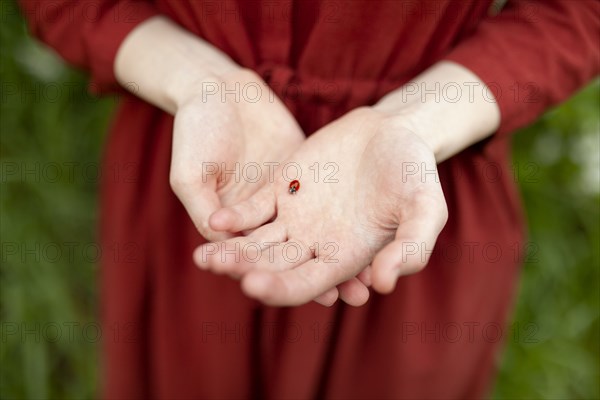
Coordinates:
(87, 33)
(533, 55)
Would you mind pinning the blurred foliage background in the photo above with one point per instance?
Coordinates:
(51, 137)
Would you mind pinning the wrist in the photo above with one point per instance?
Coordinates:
(448, 106)
(229, 85)
(413, 119)
(166, 65)
(197, 78)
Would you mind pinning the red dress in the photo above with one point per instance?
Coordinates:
(173, 331)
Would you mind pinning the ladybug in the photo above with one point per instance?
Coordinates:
(294, 187)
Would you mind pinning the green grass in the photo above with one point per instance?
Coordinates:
(559, 291)
(55, 283)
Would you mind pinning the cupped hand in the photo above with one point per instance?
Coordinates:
(369, 209)
(226, 138)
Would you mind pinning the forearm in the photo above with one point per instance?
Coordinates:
(452, 107)
(165, 65)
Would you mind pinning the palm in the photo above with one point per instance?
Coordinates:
(221, 148)
(342, 222)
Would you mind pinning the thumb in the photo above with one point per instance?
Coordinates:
(411, 248)
(200, 204)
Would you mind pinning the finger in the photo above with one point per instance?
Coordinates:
(200, 204)
(268, 256)
(353, 292)
(365, 276)
(328, 298)
(284, 256)
(226, 257)
(296, 286)
(249, 214)
(413, 244)
(273, 232)
(236, 255)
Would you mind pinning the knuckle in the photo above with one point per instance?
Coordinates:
(176, 182)
(202, 227)
(180, 183)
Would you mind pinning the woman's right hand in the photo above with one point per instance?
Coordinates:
(227, 142)
(230, 130)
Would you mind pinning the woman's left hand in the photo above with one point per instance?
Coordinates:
(369, 196)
